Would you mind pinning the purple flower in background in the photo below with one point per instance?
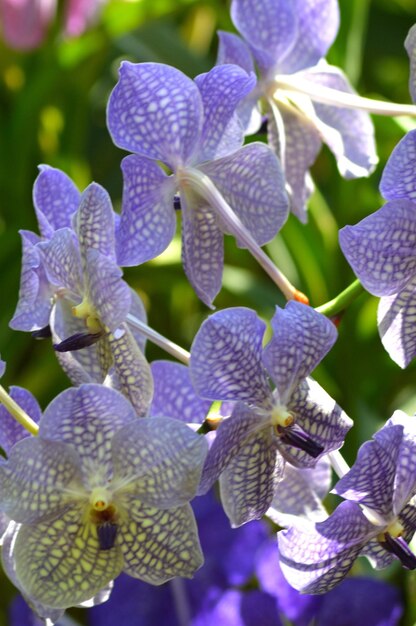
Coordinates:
(100, 491)
(378, 518)
(296, 422)
(288, 40)
(192, 127)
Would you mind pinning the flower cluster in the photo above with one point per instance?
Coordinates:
(105, 485)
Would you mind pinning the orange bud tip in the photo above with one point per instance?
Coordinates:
(300, 297)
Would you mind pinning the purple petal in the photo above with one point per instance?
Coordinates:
(318, 23)
(250, 478)
(233, 49)
(348, 133)
(158, 545)
(320, 417)
(315, 557)
(174, 395)
(301, 339)
(395, 319)
(269, 26)
(297, 150)
(381, 248)
(202, 248)
(108, 293)
(95, 222)
(155, 110)
(231, 436)
(11, 431)
(20, 613)
(138, 310)
(241, 608)
(148, 220)
(62, 260)
(222, 89)
(226, 357)
(398, 179)
(35, 292)
(410, 45)
(56, 199)
(160, 460)
(300, 493)
(251, 181)
(86, 418)
(132, 372)
(405, 482)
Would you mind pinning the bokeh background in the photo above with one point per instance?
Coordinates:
(52, 110)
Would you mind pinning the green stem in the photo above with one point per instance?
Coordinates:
(18, 413)
(342, 300)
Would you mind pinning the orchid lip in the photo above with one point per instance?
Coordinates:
(296, 437)
(398, 547)
(77, 342)
(107, 533)
(42, 333)
(177, 202)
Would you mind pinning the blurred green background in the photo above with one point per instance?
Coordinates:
(52, 110)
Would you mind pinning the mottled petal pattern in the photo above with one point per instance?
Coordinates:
(62, 260)
(56, 198)
(398, 179)
(315, 557)
(250, 479)
(11, 431)
(158, 545)
(226, 357)
(405, 479)
(156, 111)
(301, 339)
(60, 562)
(148, 220)
(252, 182)
(381, 248)
(174, 395)
(95, 222)
(233, 49)
(222, 89)
(396, 316)
(159, 461)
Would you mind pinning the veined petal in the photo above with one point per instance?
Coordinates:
(94, 222)
(301, 339)
(158, 545)
(174, 395)
(132, 371)
(269, 26)
(222, 89)
(395, 319)
(158, 461)
(39, 480)
(252, 182)
(202, 247)
(107, 292)
(398, 179)
(137, 309)
(35, 291)
(232, 435)
(233, 49)
(62, 260)
(11, 431)
(148, 219)
(250, 478)
(410, 45)
(381, 248)
(318, 23)
(60, 563)
(155, 110)
(56, 198)
(405, 480)
(226, 357)
(86, 418)
(315, 557)
(320, 417)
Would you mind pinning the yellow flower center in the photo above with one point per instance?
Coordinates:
(86, 311)
(280, 416)
(100, 499)
(395, 529)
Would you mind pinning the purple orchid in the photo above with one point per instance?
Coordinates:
(100, 491)
(296, 422)
(377, 519)
(70, 281)
(192, 127)
(303, 95)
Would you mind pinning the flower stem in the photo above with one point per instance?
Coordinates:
(342, 300)
(18, 413)
(205, 188)
(343, 99)
(339, 464)
(158, 339)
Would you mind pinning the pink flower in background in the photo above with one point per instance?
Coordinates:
(79, 14)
